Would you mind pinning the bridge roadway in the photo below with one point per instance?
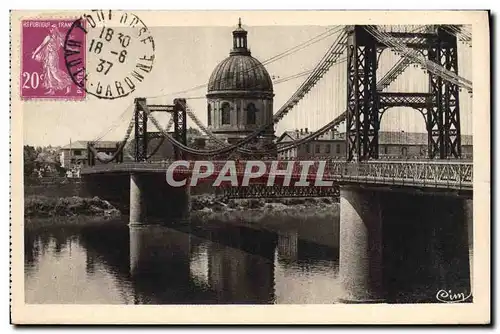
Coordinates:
(453, 175)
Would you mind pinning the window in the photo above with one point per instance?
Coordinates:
(317, 148)
(209, 114)
(251, 111)
(404, 151)
(77, 152)
(226, 113)
(385, 149)
(338, 148)
(327, 148)
(308, 148)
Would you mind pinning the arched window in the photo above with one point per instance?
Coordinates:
(251, 113)
(226, 113)
(404, 151)
(209, 114)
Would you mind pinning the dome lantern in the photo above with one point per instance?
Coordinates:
(240, 46)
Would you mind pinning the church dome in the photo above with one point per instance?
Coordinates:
(240, 71)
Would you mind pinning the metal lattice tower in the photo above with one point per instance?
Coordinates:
(362, 117)
(180, 126)
(143, 137)
(141, 131)
(443, 118)
(366, 104)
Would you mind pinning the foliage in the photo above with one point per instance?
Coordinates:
(43, 206)
(191, 134)
(30, 164)
(42, 159)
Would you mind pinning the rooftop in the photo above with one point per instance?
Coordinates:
(82, 144)
(299, 134)
(385, 137)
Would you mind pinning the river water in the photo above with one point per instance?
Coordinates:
(112, 263)
(291, 261)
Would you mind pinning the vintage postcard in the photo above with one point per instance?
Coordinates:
(250, 167)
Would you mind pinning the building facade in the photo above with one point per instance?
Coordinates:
(329, 145)
(392, 145)
(76, 153)
(240, 96)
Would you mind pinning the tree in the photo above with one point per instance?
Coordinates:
(29, 155)
(191, 135)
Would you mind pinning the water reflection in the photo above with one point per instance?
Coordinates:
(111, 263)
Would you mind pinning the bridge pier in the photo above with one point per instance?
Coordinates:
(137, 207)
(153, 200)
(360, 246)
(469, 218)
(402, 247)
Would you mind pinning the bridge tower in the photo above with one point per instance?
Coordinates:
(143, 137)
(180, 126)
(141, 130)
(365, 104)
(443, 116)
(370, 219)
(362, 117)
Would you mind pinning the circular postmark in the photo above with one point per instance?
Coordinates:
(112, 56)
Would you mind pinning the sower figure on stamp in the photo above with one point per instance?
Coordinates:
(54, 78)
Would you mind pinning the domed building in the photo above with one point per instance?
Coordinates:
(240, 96)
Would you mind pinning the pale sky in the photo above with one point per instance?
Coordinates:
(185, 58)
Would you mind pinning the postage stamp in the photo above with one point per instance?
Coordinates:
(43, 72)
(289, 167)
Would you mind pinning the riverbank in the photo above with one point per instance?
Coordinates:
(37, 206)
(268, 212)
(205, 210)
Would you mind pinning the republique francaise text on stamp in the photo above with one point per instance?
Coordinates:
(43, 71)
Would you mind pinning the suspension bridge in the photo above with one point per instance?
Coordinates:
(373, 192)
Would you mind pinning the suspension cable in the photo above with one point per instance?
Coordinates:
(462, 34)
(323, 66)
(396, 70)
(314, 76)
(103, 133)
(292, 50)
(431, 66)
(120, 147)
(400, 66)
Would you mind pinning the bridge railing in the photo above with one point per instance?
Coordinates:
(451, 174)
(439, 174)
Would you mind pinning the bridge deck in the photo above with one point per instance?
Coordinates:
(451, 174)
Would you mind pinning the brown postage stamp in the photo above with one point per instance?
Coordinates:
(250, 167)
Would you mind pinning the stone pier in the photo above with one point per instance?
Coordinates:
(152, 200)
(138, 207)
(360, 246)
(402, 247)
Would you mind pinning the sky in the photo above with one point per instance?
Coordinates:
(185, 58)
